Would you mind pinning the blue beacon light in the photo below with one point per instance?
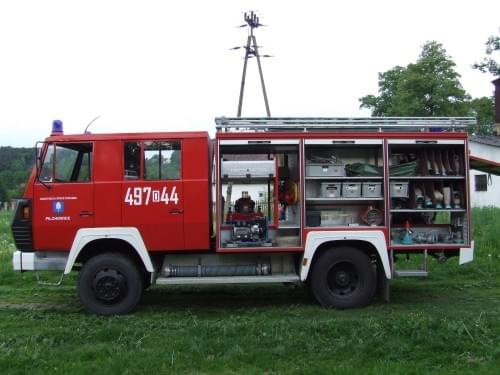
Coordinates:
(57, 127)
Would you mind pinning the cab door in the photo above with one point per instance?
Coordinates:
(152, 193)
(63, 195)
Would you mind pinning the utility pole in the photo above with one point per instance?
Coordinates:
(252, 50)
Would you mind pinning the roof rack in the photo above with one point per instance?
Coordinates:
(347, 124)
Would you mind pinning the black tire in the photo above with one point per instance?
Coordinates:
(110, 284)
(343, 277)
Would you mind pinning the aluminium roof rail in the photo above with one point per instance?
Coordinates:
(379, 124)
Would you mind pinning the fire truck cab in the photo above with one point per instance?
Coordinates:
(324, 201)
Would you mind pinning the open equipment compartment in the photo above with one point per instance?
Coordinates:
(259, 194)
(344, 182)
(428, 193)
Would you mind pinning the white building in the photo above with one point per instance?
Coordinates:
(485, 167)
(485, 162)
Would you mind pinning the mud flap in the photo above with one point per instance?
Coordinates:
(383, 284)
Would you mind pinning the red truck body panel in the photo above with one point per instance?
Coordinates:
(183, 223)
(180, 223)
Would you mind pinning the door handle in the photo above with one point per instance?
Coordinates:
(176, 211)
(86, 213)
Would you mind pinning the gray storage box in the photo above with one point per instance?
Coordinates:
(372, 189)
(333, 218)
(253, 168)
(351, 189)
(331, 189)
(399, 189)
(322, 170)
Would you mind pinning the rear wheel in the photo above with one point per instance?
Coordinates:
(343, 277)
(110, 284)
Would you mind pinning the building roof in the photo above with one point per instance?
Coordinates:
(490, 140)
(483, 161)
(483, 165)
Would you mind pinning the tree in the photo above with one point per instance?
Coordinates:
(489, 64)
(429, 87)
(483, 109)
(3, 193)
(15, 166)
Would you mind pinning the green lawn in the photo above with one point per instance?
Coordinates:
(448, 323)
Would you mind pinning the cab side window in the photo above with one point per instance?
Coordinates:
(162, 160)
(132, 160)
(67, 162)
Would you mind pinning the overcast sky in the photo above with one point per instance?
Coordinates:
(158, 65)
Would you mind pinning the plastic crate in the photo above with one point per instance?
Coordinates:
(372, 189)
(248, 169)
(351, 189)
(331, 189)
(325, 170)
(399, 189)
(333, 218)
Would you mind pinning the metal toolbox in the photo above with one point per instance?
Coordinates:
(372, 189)
(325, 170)
(331, 189)
(351, 189)
(248, 169)
(399, 189)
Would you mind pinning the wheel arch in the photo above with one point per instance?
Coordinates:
(371, 243)
(89, 242)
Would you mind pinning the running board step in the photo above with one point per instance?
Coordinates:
(410, 273)
(283, 278)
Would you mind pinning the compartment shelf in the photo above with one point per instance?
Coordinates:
(246, 180)
(397, 246)
(426, 177)
(349, 226)
(396, 210)
(288, 226)
(343, 178)
(341, 199)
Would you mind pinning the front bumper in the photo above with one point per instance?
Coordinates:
(39, 261)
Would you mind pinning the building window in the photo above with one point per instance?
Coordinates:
(481, 182)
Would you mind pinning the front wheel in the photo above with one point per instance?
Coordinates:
(110, 284)
(344, 278)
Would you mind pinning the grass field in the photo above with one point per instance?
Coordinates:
(448, 323)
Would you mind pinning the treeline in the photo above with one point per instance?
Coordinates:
(15, 167)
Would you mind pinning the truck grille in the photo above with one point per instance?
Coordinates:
(21, 228)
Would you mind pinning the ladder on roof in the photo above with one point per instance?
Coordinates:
(380, 124)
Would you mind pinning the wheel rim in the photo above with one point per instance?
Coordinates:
(342, 279)
(109, 285)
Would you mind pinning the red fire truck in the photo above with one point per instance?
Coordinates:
(329, 202)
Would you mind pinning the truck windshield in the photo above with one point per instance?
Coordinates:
(67, 163)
